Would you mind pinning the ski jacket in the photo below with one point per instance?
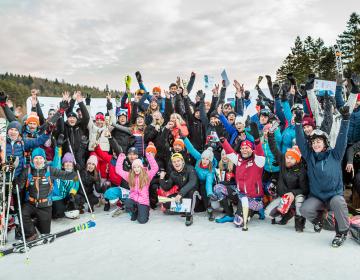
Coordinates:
(186, 180)
(292, 179)
(248, 174)
(324, 168)
(110, 163)
(271, 165)
(204, 175)
(91, 181)
(140, 196)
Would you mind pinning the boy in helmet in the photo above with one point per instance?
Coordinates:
(325, 176)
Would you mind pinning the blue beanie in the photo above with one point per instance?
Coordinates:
(38, 152)
(15, 124)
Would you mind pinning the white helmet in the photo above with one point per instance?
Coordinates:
(72, 214)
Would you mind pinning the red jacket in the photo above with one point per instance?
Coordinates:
(107, 166)
(249, 171)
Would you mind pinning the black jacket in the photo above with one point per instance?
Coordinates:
(292, 179)
(186, 180)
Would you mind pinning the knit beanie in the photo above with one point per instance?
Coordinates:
(71, 114)
(208, 153)
(240, 119)
(151, 148)
(248, 144)
(68, 157)
(38, 152)
(15, 124)
(92, 159)
(137, 162)
(179, 142)
(308, 121)
(33, 117)
(133, 150)
(295, 153)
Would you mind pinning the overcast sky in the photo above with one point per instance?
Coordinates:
(98, 42)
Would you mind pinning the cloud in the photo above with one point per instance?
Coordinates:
(98, 42)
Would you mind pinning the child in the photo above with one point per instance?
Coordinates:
(292, 181)
(139, 180)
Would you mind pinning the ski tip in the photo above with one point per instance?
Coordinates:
(91, 224)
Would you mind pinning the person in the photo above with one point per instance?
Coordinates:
(36, 181)
(139, 177)
(325, 176)
(205, 168)
(91, 181)
(181, 183)
(292, 181)
(248, 176)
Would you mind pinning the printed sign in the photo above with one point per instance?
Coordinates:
(320, 86)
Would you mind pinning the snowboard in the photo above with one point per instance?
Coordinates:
(45, 239)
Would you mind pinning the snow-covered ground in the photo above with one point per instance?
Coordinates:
(165, 248)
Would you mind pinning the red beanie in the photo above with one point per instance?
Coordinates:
(248, 144)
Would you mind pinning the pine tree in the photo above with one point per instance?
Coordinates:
(349, 42)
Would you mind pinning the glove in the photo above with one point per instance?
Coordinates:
(345, 112)
(284, 93)
(268, 78)
(354, 87)
(254, 131)
(181, 135)
(64, 105)
(201, 94)
(88, 99)
(302, 91)
(60, 140)
(138, 76)
(247, 94)
(276, 90)
(290, 77)
(298, 116)
(118, 100)
(109, 105)
(3, 99)
(310, 82)
(72, 198)
(49, 127)
(128, 80)
(222, 139)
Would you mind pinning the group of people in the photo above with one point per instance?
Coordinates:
(286, 160)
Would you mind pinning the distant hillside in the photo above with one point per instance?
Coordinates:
(18, 87)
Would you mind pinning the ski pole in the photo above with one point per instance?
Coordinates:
(81, 183)
(11, 178)
(3, 240)
(21, 223)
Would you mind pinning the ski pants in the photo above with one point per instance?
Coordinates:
(141, 211)
(58, 208)
(43, 216)
(313, 207)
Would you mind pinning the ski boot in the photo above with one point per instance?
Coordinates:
(210, 212)
(18, 234)
(317, 226)
(338, 240)
(299, 223)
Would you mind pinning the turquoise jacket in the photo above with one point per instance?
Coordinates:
(204, 175)
(269, 157)
(62, 188)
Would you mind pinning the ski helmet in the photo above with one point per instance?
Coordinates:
(317, 133)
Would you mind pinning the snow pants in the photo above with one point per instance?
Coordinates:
(313, 207)
(138, 211)
(43, 216)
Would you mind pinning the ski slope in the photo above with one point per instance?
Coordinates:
(165, 248)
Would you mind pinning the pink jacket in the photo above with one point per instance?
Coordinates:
(140, 196)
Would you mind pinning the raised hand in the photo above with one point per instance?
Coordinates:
(167, 94)
(127, 81)
(178, 81)
(215, 90)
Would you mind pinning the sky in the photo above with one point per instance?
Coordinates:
(97, 42)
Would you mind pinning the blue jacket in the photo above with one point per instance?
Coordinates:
(62, 188)
(232, 131)
(204, 175)
(288, 135)
(18, 147)
(269, 156)
(324, 169)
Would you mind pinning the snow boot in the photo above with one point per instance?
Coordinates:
(210, 212)
(338, 240)
(18, 234)
(238, 220)
(189, 220)
(32, 237)
(225, 219)
(317, 225)
(286, 217)
(107, 206)
(299, 223)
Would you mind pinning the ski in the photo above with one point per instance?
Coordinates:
(45, 239)
(3, 126)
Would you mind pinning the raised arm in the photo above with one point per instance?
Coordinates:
(119, 167)
(190, 148)
(154, 168)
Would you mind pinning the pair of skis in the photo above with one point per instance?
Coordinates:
(20, 247)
